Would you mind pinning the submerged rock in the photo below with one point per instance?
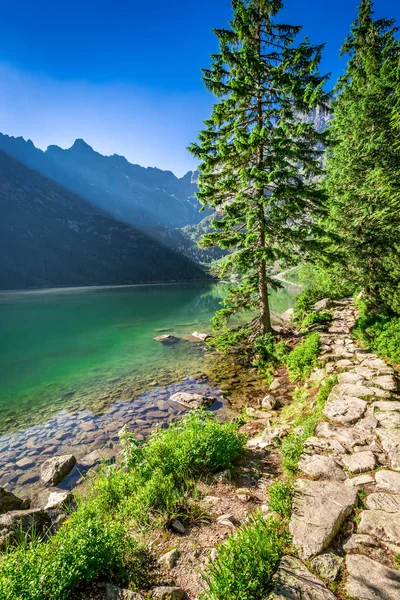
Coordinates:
(192, 400)
(54, 470)
(202, 337)
(166, 339)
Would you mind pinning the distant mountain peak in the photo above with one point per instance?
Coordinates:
(80, 145)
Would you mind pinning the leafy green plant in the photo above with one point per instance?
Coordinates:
(380, 333)
(246, 561)
(303, 358)
(280, 499)
(314, 318)
(305, 423)
(229, 339)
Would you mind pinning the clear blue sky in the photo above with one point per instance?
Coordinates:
(125, 75)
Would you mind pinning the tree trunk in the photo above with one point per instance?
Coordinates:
(265, 316)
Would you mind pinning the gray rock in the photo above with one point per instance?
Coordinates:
(168, 593)
(52, 498)
(347, 436)
(370, 580)
(318, 445)
(382, 525)
(352, 389)
(321, 467)
(293, 581)
(350, 378)
(275, 385)
(344, 409)
(192, 401)
(54, 470)
(360, 480)
(178, 527)
(34, 520)
(383, 501)
(386, 382)
(97, 457)
(344, 363)
(324, 304)
(8, 501)
(359, 543)
(319, 509)
(327, 565)
(169, 559)
(288, 315)
(388, 480)
(115, 593)
(360, 462)
(389, 436)
(269, 402)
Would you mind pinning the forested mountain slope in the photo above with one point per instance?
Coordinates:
(49, 236)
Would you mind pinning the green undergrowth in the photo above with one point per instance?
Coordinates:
(314, 318)
(247, 560)
(303, 358)
(156, 484)
(380, 334)
(280, 499)
(303, 416)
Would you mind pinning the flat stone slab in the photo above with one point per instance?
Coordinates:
(347, 436)
(345, 409)
(360, 480)
(319, 466)
(352, 389)
(380, 524)
(388, 480)
(293, 581)
(350, 377)
(386, 382)
(386, 405)
(318, 445)
(390, 440)
(370, 580)
(360, 462)
(319, 509)
(383, 501)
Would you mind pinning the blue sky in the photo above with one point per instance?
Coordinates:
(125, 75)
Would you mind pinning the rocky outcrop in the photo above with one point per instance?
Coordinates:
(8, 501)
(55, 469)
(13, 523)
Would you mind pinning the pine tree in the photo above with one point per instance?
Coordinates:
(363, 162)
(259, 159)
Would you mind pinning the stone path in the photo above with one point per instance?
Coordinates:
(356, 448)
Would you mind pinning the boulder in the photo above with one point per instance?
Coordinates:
(16, 522)
(115, 593)
(383, 501)
(168, 593)
(8, 501)
(319, 509)
(327, 565)
(55, 469)
(324, 304)
(192, 401)
(166, 339)
(388, 480)
(360, 462)
(381, 525)
(53, 498)
(344, 409)
(370, 580)
(293, 581)
(321, 467)
(288, 316)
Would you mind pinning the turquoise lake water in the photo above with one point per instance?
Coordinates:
(86, 348)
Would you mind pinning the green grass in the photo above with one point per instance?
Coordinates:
(156, 484)
(303, 358)
(246, 561)
(306, 420)
(314, 318)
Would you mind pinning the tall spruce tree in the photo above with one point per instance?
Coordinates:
(259, 159)
(363, 163)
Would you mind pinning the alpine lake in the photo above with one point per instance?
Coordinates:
(78, 364)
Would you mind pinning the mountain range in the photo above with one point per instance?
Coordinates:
(51, 237)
